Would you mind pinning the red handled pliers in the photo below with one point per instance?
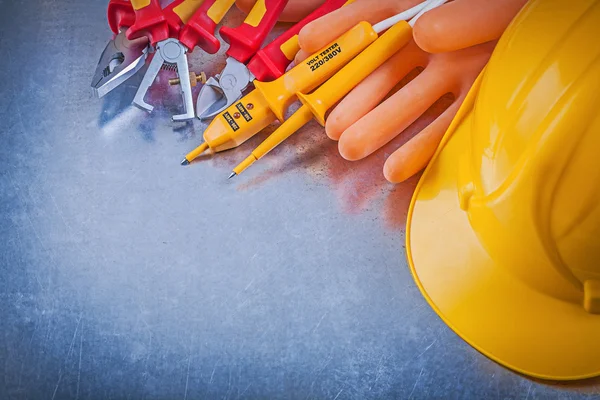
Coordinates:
(171, 32)
(265, 64)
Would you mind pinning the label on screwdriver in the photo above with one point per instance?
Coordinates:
(244, 112)
(324, 56)
(231, 121)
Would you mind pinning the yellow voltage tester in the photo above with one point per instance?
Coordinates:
(317, 103)
(270, 100)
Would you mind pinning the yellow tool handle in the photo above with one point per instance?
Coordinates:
(357, 70)
(139, 4)
(270, 100)
(332, 91)
(300, 118)
(201, 18)
(287, 129)
(215, 10)
(316, 69)
(218, 10)
(186, 9)
(239, 122)
(256, 13)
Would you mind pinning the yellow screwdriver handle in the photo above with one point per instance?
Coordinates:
(316, 104)
(356, 71)
(316, 69)
(270, 100)
(238, 123)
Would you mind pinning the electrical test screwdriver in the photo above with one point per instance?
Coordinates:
(316, 104)
(270, 100)
(244, 67)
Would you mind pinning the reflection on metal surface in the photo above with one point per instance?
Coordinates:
(120, 60)
(127, 275)
(359, 185)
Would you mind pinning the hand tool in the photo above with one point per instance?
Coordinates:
(327, 95)
(270, 100)
(198, 30)
(267, 64)
(121, 57)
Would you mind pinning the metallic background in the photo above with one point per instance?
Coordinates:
(124, 275)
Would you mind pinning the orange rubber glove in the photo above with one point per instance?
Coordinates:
(363, 125)
(452, 44)
(461, 37)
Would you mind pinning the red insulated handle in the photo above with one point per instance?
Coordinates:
(173, 19)
(120, 14)
(245, 40)
(200, 30)
(271, 61)
(150, 21)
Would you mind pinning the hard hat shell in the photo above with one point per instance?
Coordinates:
(503, 233)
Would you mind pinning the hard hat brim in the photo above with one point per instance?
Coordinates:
(492, 310)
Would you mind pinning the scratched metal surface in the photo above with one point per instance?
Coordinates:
(124, 275)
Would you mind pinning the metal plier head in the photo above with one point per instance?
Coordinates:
(170, 33)
(223, 90)
(119, 61)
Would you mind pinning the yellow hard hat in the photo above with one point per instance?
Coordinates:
(503, 233)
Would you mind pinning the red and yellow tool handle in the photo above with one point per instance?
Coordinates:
(150, 21)
(327, 95)
(200, 27)
(269, 102)
(178, 13)
(245, 40)
(120, 14)
(271, 62)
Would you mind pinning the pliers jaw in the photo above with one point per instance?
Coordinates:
(119, 61)
(170, 52)
(211, 99)
(216, 96)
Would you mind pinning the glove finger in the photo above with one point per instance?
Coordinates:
(464, 23)
(331, 26)
(460, 70)
(301, 56)
(392, 116)
(370, 92)
(414, 155)
(294, 11)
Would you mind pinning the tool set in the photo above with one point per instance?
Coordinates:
(144, 29)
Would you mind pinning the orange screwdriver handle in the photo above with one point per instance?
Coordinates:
(245, 40)
(150, 21)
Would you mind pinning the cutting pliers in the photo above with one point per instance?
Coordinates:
(121, 57)
(266, 64)
(171, 33)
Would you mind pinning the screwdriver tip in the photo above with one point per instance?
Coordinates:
(185, 161)
(232, 175)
